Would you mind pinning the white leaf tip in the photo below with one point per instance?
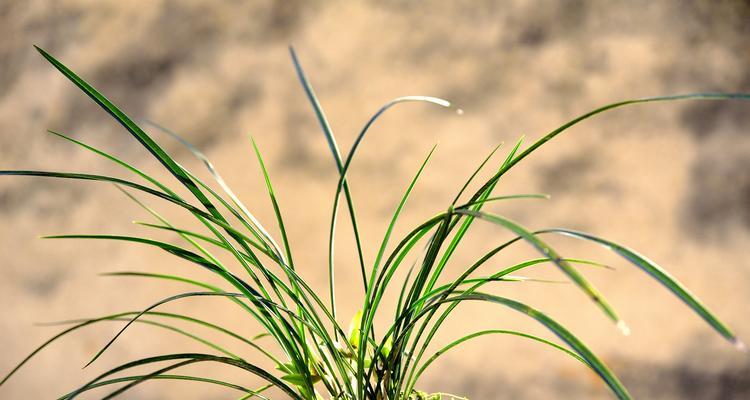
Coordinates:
(739, 345)
(623, 327)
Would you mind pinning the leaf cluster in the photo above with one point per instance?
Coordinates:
(314, 357)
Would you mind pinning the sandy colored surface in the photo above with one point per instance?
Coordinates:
(671, 180)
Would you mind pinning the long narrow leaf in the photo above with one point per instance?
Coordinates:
(474, 335)
(114, 381)
(661, 276)
(550, 253)
(566, 336)
(134, 130)
(191, 358)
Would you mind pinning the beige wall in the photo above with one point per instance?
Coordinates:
(671, 180)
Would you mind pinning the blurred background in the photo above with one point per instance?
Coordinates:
(670, 179)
